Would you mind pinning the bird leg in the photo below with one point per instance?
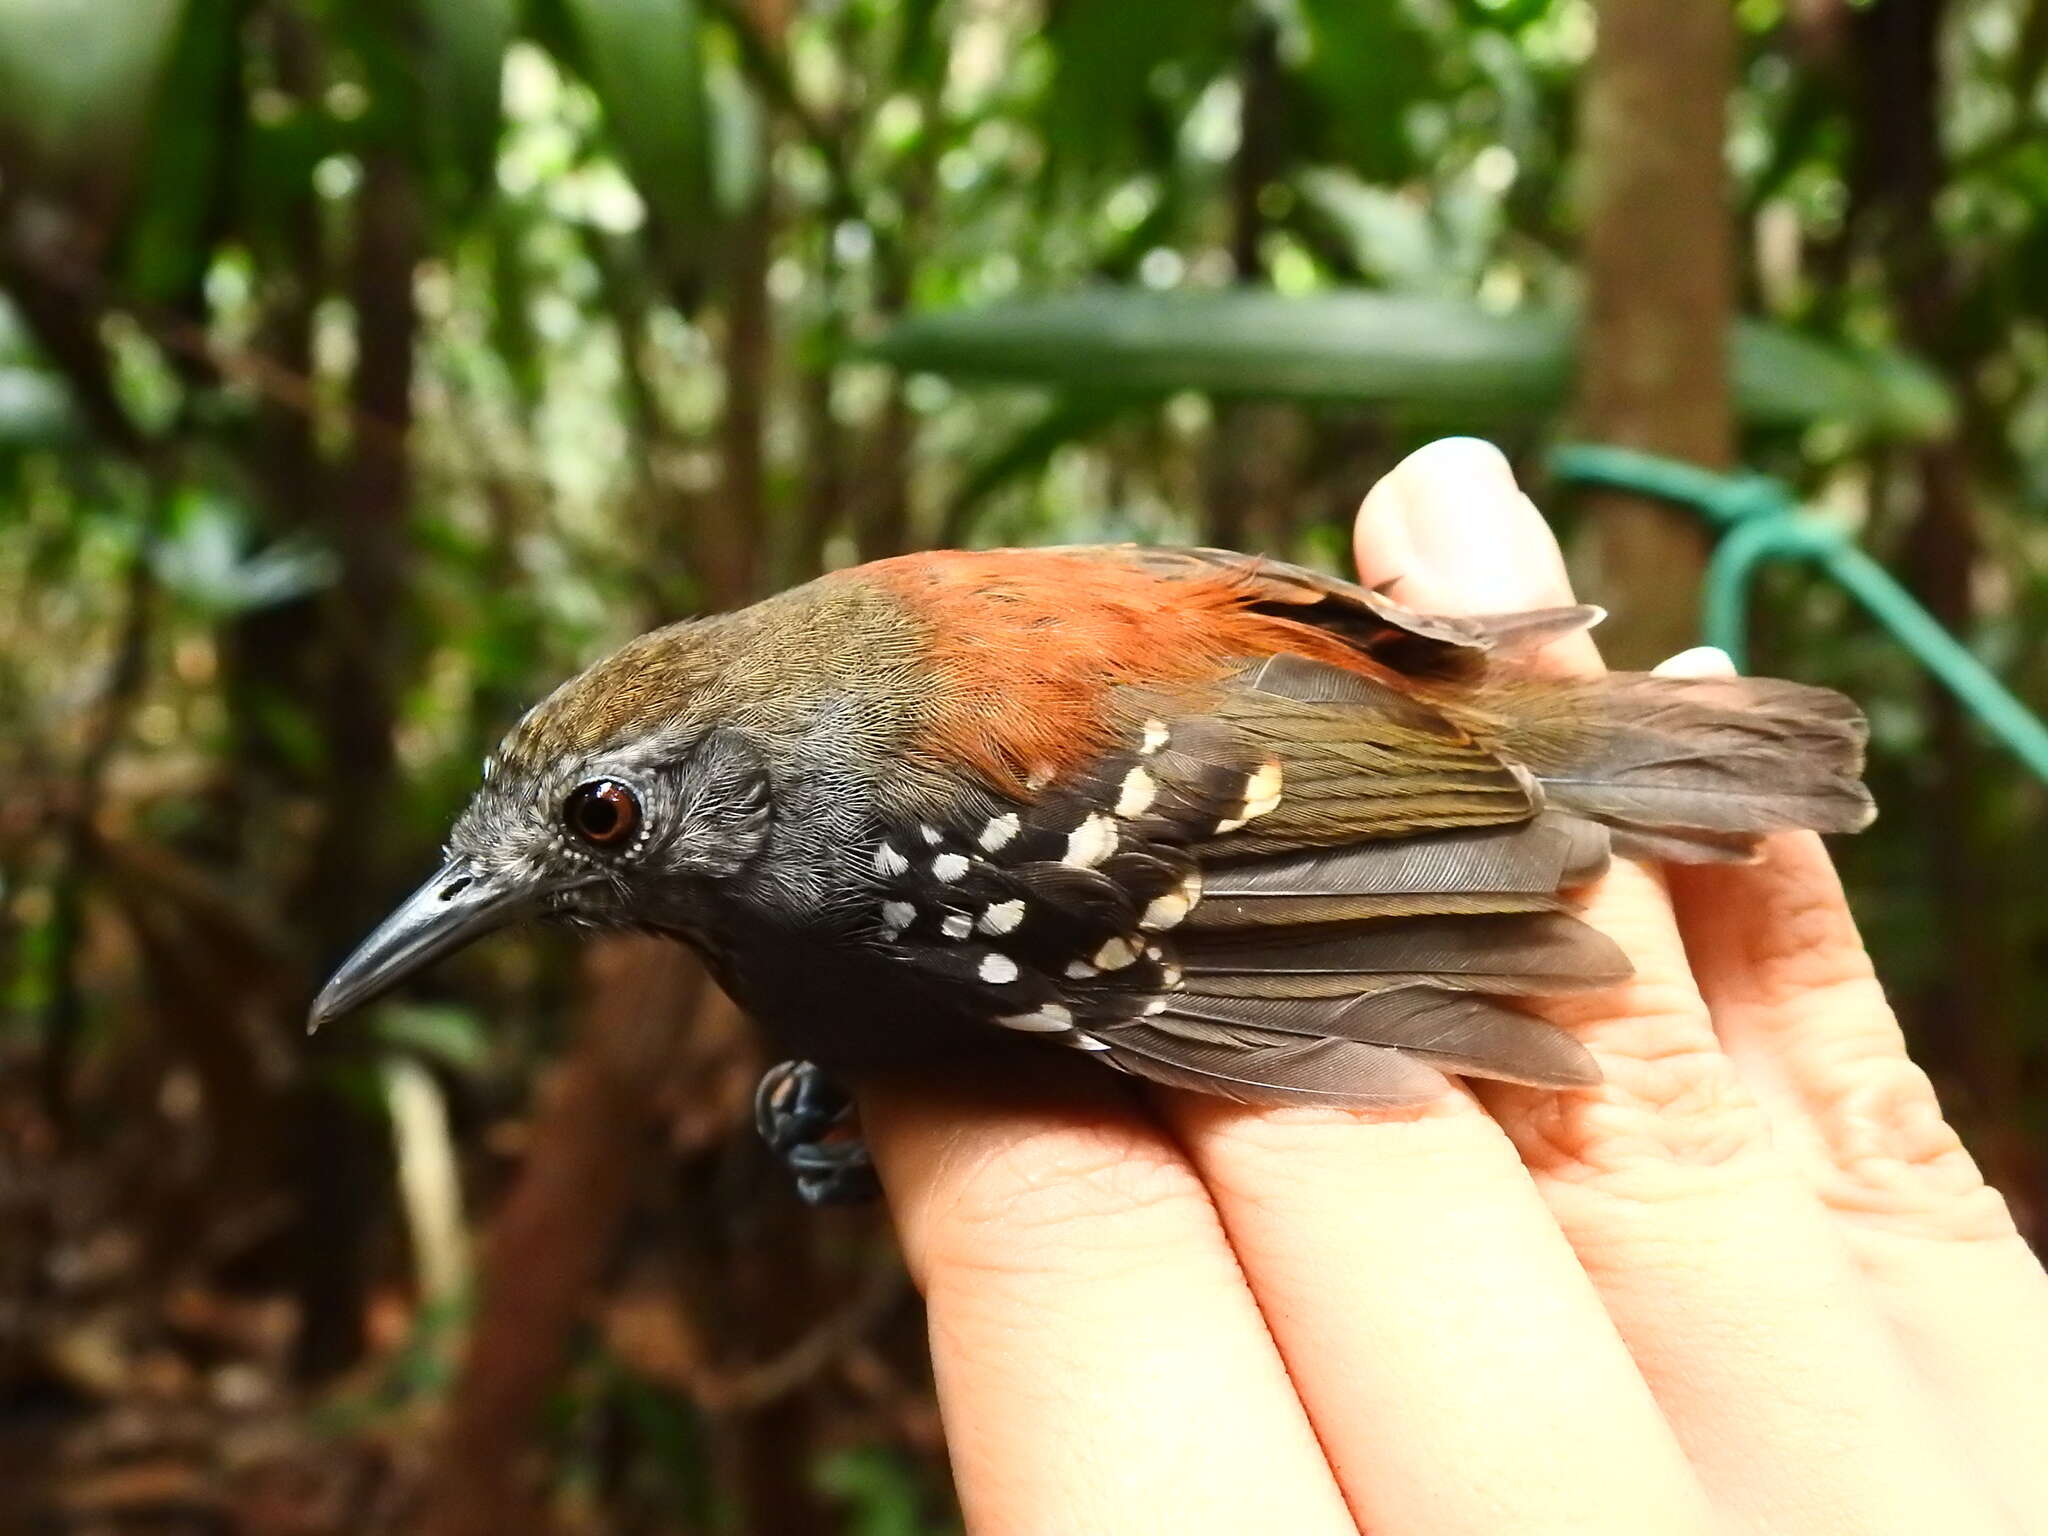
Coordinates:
(808, 1122)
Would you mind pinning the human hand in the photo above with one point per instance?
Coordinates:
(1752, 1280)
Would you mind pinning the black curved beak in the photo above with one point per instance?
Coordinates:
(455, 907)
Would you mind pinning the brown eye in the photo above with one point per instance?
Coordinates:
(603, 812)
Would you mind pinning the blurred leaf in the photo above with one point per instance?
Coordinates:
(1333, 347)
(1106, 59)
(734, 116)
(192, 120)
(878, 1489)
(35, 410)
(77, 80)
(1369, 348)
(200, 558)
(1368, 62)
(1393, 236)
(461, 66)
(1071, 418)
(645, 61)
(451, 1037)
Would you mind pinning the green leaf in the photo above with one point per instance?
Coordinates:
(1347, 347)
(77, 79)
(169, 235)
(35, 410)
(1106, 60)
(1368, 62)
(453, 1037)
(462, 65)
(645, 61)
(1442, 355)
(1065, 420)
(200, 558)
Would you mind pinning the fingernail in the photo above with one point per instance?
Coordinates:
(1474, 542)
(1700, 661)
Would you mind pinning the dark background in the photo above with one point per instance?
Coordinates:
(366, 367)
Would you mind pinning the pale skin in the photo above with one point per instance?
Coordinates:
(1752, 1282)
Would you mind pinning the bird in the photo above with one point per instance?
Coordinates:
(1214, 821)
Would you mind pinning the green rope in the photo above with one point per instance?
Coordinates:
(1760, 521)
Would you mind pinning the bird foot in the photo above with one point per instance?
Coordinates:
(808, 1122)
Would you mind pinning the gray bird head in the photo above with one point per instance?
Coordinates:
(613, 803)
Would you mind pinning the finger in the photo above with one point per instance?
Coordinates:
(1740, 1307)
(1100, 1362)
(1457, 1365)
(1798, 1007)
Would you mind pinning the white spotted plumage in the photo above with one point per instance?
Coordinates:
(1136, 794)
(1114, 954)
(888, 862)
(999, 832)
(1262, 791)
(1164, 912)
(1047, 1018)
(957, 925)
(997, 968)
(897, 916)
(949, 867)
(1091, 842)
(1002, 916)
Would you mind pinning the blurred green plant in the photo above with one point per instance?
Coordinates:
(366, 368)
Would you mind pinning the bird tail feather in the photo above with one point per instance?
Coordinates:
(1688, 769)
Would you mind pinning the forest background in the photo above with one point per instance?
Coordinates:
(366, 367)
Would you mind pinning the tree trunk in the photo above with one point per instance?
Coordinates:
(1255, 448)
(1653, 372)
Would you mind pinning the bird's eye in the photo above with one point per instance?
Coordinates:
(603, 812)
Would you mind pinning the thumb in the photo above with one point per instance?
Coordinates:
(1449, 531)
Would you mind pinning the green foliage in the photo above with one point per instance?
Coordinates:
(200, 557)
(1438, 356)
(184, 161)
(645, 60)
(460, 59)
(589, 243)
(77, 81)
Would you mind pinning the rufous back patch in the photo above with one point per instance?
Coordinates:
(1026, 647)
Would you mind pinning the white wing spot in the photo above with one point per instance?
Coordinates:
(957, 926)
(998, 967)
(1049, 1019)
(932, 835)
(1115, 954)
(888, 861)
(1230, 824)
(1169, 975)
(948, 867)
(897, 916)
(1080, 970)
(1139, 790)
(1262, 791)
(1156, 736)
(1088, 1043)
(1002, 917)
(1091, 842)
(1158, 1005)
(999, 831)
(1165, 912)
